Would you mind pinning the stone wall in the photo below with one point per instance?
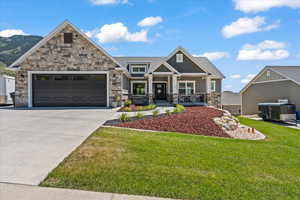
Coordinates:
(214, 99)
(55, 55)
(233, 109)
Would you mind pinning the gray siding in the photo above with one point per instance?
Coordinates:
(187, 66)
(269, 92)
(162, 68)
(273, 76)
(200, 83)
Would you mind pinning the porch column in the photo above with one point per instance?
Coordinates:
(150, 90)
(175, 89)
(208, 91)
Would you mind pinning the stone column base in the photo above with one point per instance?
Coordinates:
(150, 99)
(175, 98)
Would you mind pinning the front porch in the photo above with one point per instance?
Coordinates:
(166, 89)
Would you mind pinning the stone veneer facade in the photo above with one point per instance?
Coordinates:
(55, 55)
(214, 99)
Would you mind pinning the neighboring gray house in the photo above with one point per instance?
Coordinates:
(7, 86)
(231, 101)
(66, 68)
(270, 85)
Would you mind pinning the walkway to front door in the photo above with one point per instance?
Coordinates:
(160, 92)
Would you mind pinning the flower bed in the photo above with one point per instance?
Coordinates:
(135, 108)
(195, 120)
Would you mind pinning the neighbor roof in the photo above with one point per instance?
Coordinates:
(231, 98)
(289, 72)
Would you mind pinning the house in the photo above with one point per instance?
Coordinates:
(231, 101)
(270, 85)
(7, 86)
(67, 68)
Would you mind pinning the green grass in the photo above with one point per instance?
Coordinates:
(186, 166)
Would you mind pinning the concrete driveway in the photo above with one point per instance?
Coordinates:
(33, 142)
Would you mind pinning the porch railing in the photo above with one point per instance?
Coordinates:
(195, 98)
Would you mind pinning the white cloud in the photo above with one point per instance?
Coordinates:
(117, 32)
(150, 21)
(251, 76)
(253, 6)
(235, 76)
(266, 50)
(247, 25)
(214, 55)
(108, 2)
(11, 32)
(245, 81)
(228, 86)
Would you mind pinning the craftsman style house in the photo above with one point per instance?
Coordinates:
(67, 68)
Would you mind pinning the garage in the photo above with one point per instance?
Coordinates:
(69, 90)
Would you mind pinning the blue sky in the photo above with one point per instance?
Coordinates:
(239, 36)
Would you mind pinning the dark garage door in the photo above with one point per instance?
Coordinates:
(69, 90)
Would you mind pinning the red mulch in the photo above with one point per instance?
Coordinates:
(195, 120)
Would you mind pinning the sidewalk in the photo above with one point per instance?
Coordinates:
(25, 192)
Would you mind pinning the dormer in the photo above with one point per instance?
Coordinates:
(138, 68)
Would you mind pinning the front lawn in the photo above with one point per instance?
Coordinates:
(185, 166)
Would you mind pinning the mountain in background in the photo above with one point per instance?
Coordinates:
(11, 48)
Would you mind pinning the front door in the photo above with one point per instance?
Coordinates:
(160, 91)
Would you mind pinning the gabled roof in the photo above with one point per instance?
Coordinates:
(163, 62)
(155, 62)
(289, 72)
(54, 32)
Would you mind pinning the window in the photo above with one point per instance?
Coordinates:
(186, 88)
(138, 69)
(179, 58)
(268, 74)
(68, 38)
(139, 88)
(213, 85)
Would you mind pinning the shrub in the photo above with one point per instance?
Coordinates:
(175, 110)
(127, 109)
(124, 117)
(151, 107)
(139, 115)
(127, 103)
(180, 108)
(155, 113)
(168, 112)
(140, 108)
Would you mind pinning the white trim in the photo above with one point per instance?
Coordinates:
(270, 81)
(141, 81)
(214, 89)
(162, 73)
(185, 53)
(145, 66)
(194, 74)
(160, 81)
(53, 33)
(179, 57)
(186, 82)
(167, 65)
(30, 73)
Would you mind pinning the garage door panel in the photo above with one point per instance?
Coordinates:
(69, 90)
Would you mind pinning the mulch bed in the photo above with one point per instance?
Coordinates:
(195, 120)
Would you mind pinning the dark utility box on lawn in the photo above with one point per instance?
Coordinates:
(277, 111)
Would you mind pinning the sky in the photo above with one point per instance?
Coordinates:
(239, 36)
